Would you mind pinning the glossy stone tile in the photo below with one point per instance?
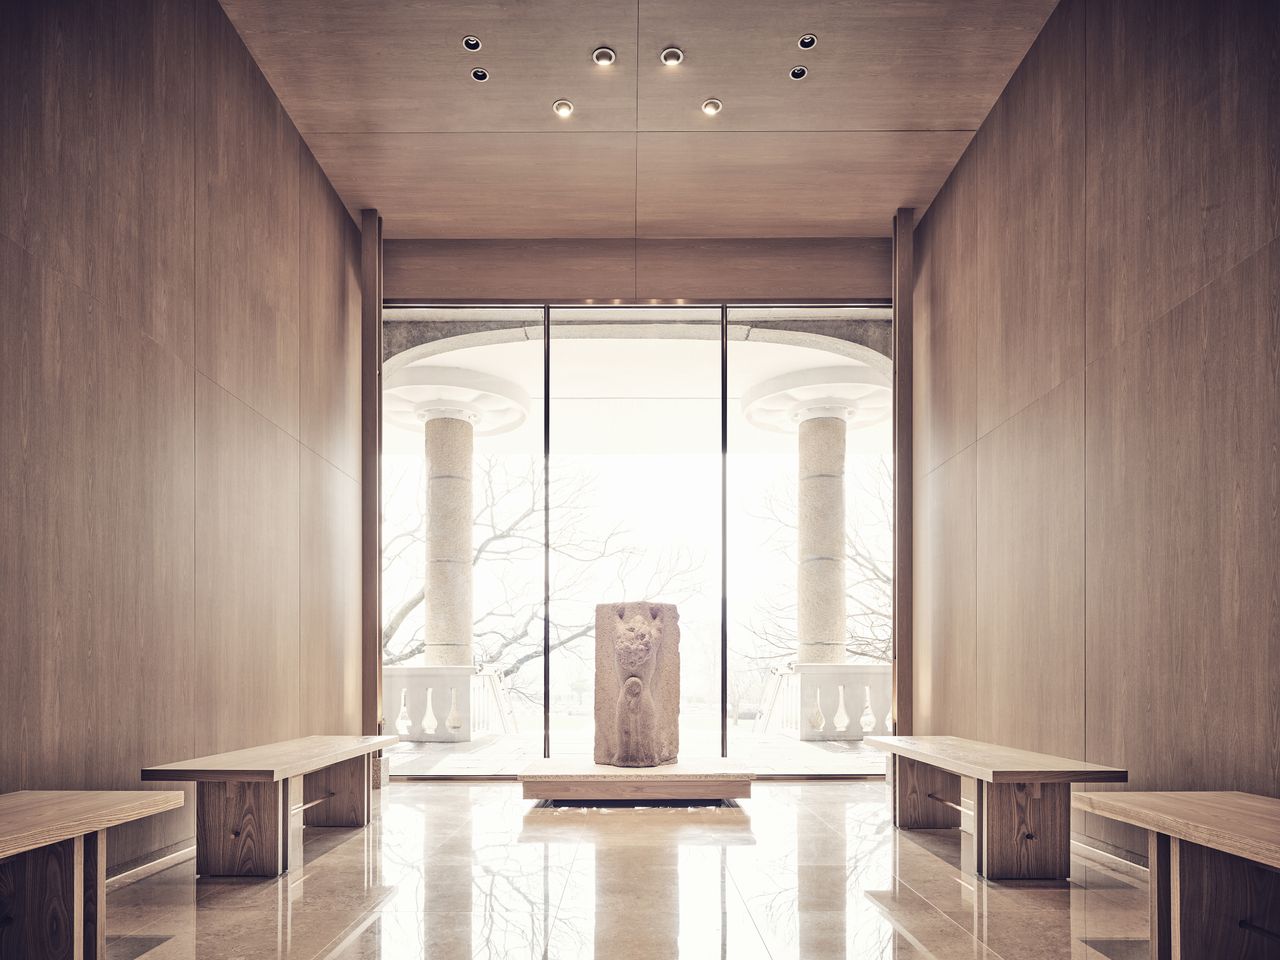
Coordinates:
(461, 870)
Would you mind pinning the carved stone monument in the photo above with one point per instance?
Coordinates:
(637, 684)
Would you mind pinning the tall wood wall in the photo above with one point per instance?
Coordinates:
(179, 406)
(1097, 426)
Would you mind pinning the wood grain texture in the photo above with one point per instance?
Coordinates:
(625, 269)
(944, 636)
(34, 818)
(371, 299)
(40, 900)
(108, 281)
(1030, 321)
(1182, 538)
(1183, 147)
(1178, 203)
(995, 763)
(247, 515)
(340, 793)
(922, 794)
(1242, 824)
(246, 229)
(486, 185)
(903, 467)
(1027, 831)
(238, 829)
(270, 761)
(330, 689)
(1211, 896)
(1030, 664)
(329, 336)
(1159, 887)
(94, 896)
(831, 184)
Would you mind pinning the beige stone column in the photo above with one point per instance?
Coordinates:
(820, 587)
(447, 588)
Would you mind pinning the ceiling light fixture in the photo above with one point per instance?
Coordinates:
(711, 107)
(799, 73)
(604, 56)
(471, 43)
(479, 75)
(807, 42)
(563, 108)
(671, 57)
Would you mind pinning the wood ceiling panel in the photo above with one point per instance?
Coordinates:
(487, 185)
(925, 65)
(398, 66)
(787, 185)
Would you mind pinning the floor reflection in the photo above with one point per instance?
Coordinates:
(459, 870)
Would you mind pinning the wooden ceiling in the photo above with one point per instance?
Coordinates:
(382, 92)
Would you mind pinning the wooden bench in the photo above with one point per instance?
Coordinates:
(1013, 807)
(251, 805)
(1215, 870)
(53, 867)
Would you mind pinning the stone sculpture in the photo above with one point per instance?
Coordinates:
(637, 684)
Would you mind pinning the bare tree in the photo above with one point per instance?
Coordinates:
(869, 578)
(508, 537)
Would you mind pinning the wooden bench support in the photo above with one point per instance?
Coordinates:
(248, 828)
(1026, 831)
(925, 797)
(339, 795)
(41, 909)
(1206, 903)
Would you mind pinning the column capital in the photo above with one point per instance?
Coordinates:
(415, 394)
(859, 395)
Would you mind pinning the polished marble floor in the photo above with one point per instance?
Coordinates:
(460, 870)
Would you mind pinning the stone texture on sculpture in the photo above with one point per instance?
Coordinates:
(637, 703)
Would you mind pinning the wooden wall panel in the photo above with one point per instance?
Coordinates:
(106, 525)
(247, 570)
(1030, 577)
(1131, 479)
(1184, 145)
(329, 592)
(247, 176)
(570, 270)
(945, 622)
(329, 297)
(1030, 320)
(1184, 541)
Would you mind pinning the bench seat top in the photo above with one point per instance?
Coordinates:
(271, 761)
(996, 764)
(1243, 824)
(37, 818)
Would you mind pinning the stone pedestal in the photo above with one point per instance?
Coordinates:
(637, 703)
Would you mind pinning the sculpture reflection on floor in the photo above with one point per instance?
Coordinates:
(637, 705)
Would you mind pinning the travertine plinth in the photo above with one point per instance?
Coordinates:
(637, 684)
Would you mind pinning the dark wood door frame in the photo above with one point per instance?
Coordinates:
(903, 280)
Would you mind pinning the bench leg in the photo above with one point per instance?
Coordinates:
(41, 903)
(924, 797)
(1026, 832)
(95, 895)
(339, 795)
(1213, 904)
(240, 828)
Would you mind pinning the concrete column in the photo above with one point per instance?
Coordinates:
(820, 593)
(447, 591)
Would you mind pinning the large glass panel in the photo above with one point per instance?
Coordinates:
(635, 508)
(810, 495)
(463, 538)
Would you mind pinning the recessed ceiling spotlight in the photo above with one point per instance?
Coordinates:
(711, 107)
(479, 74)
(807, 42)
(563, 108)
(471, 43)
(671, 57)
(604, 56)
(799, 73)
